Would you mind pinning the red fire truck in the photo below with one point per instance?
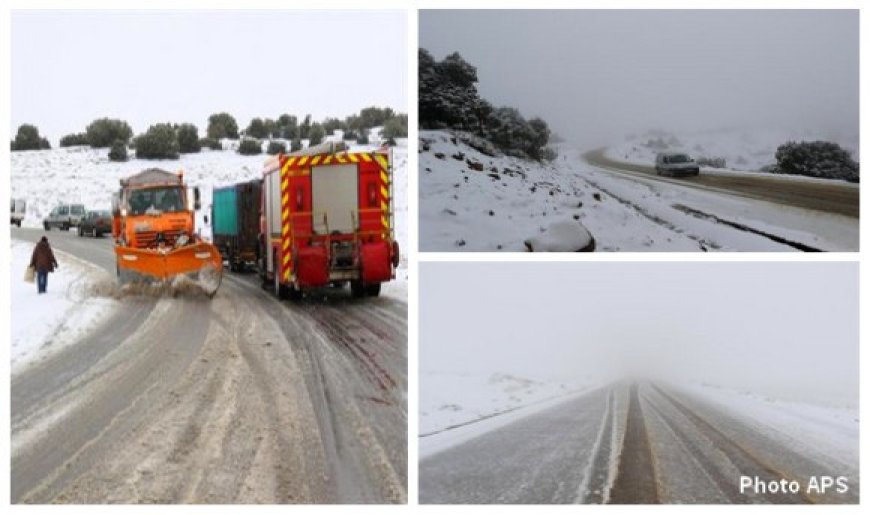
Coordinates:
(327, 219)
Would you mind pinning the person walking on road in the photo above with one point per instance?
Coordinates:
(42, 262)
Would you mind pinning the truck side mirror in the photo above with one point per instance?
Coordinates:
(116, 204)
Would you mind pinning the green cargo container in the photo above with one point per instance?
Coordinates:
(225, 214)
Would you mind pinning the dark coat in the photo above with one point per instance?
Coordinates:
(43, 258)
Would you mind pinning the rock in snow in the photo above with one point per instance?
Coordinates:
(563, 236)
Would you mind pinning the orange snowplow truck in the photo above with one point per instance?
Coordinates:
(327, 219)
(154, 233)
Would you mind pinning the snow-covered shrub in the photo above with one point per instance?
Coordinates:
(712, 162)
(257, 129)
(73, 140)
(222, 125)
(363, 139)
(104, 132)
(482, 145)
(447, 92)
(375, 116)
(295, 145)
(330, 125)
(118, 151)
(396, 127)
(188, 138)
(316, 134)
(288, 126)
(28, 138)
(210, 143)
(159, 142)
(276, 147)
(823, 159)
(250, 147)
(448, 98)
(549, 154)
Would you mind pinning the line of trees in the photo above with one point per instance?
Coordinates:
(448, 99)
(169, 141)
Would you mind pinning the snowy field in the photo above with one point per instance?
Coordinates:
(455, 407)
(830, 429)
(747, 150)
(44, 324)
(45, 178)
(473, 202)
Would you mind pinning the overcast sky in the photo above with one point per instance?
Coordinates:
(599, 75)
(69, 68)
(788, 329)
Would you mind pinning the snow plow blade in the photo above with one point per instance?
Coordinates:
(200, 262)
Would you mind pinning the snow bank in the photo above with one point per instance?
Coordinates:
(44, 324)
(455, 407)
(830, 429)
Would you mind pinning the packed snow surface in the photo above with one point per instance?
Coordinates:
(43, 324)
(471, 201)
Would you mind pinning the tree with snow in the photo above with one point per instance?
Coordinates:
(28, 138)
(222, 125)
(816, 159)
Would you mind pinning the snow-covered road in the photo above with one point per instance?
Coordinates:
(192, 400)
(650, 443)
(473, 201)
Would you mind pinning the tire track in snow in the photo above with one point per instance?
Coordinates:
(740, 456)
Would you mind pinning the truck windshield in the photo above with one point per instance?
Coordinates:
(163, 200)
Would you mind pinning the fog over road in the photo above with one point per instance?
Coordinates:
(627, 444)
(828, 196)
(237, 399)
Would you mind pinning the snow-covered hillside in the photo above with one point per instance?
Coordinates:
(747, 150)
(455, 407)
(471, 201)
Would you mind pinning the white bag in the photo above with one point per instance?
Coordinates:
(29, 274)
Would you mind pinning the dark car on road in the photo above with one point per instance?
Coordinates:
(96, 224)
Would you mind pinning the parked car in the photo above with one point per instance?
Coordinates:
(64, 216)
(96, 224)
(676, 163)
(19, 208)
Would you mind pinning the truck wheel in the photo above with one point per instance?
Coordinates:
(280, 290)
(357, 289)
(294, 293)
(373, 290)
(80, 231)
(46, 226)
